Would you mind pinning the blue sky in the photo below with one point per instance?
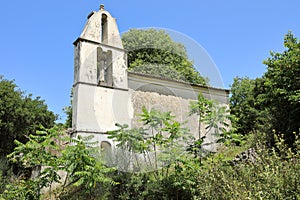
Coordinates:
(36, 36)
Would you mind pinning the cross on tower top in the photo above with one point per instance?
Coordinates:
(101, 7)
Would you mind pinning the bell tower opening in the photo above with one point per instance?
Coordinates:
(104, 67)
(104, 28)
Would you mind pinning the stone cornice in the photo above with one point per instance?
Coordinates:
(97, 43)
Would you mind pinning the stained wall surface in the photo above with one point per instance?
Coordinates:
(171, 96)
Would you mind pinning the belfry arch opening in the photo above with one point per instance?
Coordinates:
(104, 29)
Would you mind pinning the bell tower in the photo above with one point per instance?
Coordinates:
(100, 89)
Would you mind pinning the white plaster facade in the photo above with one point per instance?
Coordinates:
(94, 103)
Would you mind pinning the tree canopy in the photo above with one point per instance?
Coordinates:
(242, 105)
(282, 86)
(20, 115)
(273, 101)
(154, 52)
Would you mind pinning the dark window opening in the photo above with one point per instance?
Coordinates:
(104, 28)
(107, 153)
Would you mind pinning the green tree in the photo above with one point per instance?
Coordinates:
(161, 136)
(20, 115)
(273, 101)
(279, 89)
(84, 166)
(68, 111)
(156, 150)
(215, 118)
(85, 172)
(242, 105)
(154, 52)
(203, 108)
(41, 149)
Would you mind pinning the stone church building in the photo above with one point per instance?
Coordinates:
(106, 93)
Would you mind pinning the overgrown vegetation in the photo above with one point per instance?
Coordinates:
(54, 155)
(273, 101)
(20, 115)
(258, 157)
(154, 52)
(171, 173)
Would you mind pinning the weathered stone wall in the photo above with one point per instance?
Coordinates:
(178, 107)
(172, 96)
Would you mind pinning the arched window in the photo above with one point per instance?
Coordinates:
(106, 150)
(104, 28)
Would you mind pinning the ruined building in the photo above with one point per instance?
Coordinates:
(105, 93)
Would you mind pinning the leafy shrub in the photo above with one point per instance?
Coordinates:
(85, 172)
